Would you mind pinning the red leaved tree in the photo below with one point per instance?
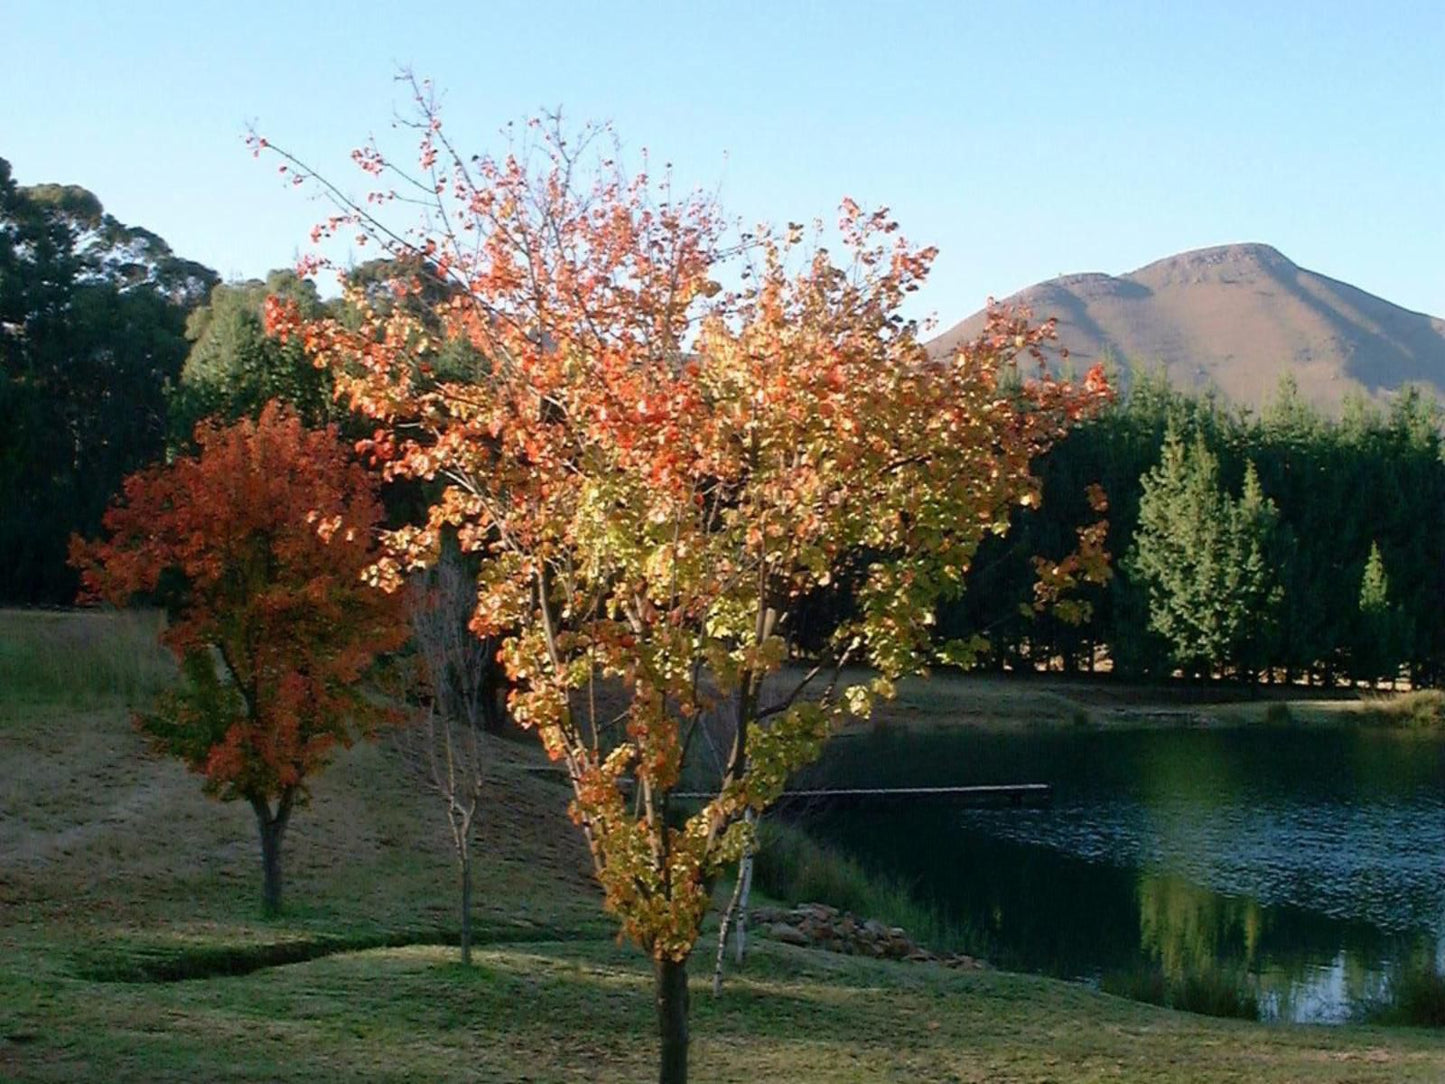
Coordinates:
(660, 465)
(257, 544)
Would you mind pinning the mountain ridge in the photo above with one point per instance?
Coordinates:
(1236, 318)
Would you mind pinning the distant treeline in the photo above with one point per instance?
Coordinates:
(111, 348)
(1277, 545)
(92, 332)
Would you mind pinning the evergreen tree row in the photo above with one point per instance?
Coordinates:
(112, 348)
(1278, 545)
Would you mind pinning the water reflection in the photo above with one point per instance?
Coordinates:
(1184, 929)
(1303, 866)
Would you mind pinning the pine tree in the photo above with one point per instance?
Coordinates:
(1255, 552)
(1381, 631)
(1202, 558)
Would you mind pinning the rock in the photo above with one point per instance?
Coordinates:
(788, 935)
(959, 962)
(899, 947)
(820, 911)
(817, 925)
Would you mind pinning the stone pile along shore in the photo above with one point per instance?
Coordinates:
(817, 925)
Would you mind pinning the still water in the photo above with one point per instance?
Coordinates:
(1307, 864)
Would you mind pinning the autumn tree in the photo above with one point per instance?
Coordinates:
(257, 544)
(678, 434)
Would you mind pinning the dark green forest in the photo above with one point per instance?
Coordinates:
(92, 338)
(1276, 545)
(1268, 545)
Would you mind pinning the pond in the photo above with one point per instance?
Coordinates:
(1305, 866)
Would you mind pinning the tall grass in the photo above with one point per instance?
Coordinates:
(82, 657)
(792, 866)
(1424, 708)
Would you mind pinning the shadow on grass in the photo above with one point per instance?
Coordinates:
(1213, 992)
(148, 963)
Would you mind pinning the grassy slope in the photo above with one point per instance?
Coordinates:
(110, 858)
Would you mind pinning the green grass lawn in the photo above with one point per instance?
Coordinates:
(1041, 701)
(113, 865)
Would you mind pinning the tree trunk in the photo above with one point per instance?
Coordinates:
(466, 909)
(272, 827)
(671, 982)
(493, 692)
(736, 914)
(724, 925)
(745, 872)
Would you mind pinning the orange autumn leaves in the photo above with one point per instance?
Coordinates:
(257, 543)
(659, 467)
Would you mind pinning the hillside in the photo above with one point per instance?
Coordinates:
(1237, 318)
(134, 950)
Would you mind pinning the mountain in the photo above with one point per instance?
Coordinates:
(1237, 317)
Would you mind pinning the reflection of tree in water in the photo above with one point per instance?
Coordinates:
(1189, 934)
(1186, 930)
(1300, 964)
(1301, 864)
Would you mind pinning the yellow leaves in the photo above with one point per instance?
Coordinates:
(764, 657)
(1088, 563)
(646, 478)
(618, 761)
(739, 836)
(659, 564)
(859, 701)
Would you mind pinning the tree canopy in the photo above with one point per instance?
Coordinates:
(233, 368)
(658, 468)
(92, 314)
(256, 543)
(1200, 555)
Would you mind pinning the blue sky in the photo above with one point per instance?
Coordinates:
(1023, 140)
